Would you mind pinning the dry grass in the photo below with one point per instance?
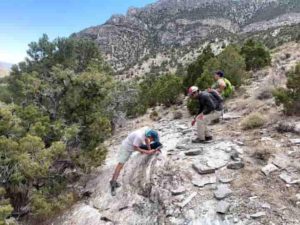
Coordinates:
(254, 120)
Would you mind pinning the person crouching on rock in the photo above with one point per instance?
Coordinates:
(210, 109)
(143, 140)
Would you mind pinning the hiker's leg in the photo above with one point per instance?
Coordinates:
(124, 155)
(117, 171)
(208, 119)
(201, 127)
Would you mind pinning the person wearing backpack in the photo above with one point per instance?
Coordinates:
(222, 85)
(210, 109)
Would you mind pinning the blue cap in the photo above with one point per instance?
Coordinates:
(153, 134)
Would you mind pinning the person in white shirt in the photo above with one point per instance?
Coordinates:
(143, 140)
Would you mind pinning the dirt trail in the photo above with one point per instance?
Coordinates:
(168, 189)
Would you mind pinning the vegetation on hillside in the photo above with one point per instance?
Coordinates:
(289, 97)
(55, 114)
(62, 103)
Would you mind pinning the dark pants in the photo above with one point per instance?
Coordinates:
(153, 145)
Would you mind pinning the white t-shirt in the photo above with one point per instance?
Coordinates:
(135, 138)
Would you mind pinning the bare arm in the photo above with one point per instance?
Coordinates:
(147, 152)
(147, 141)
(221, 86)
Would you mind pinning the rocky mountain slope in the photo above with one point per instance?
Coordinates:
(169, 26)
(246, 177)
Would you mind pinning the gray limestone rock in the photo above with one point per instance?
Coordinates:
(178, 191)
(269, 169)
(236, 165)
(223, 207)
(204, 180)
(290, 178)
(222, 192)
(258, 215)
(193, 152)
(203, 169)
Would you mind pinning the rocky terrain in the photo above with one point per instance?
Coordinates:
(176, 27)
(246, 177)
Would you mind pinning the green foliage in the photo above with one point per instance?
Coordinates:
(61, 116)
(230, 62)
(252, 121)
(167, 89)
(256, 55)
(290, 97)
(44, 208)
(207, 79)
(193, 106)
(5, 207)
(155, 90)
(233, 65)
(195, 69)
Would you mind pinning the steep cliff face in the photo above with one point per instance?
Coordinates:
(169, 24)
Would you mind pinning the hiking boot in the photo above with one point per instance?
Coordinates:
(197, 140)
(113, 185)
(208, 138)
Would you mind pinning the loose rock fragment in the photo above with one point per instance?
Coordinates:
(236, 165)
(269, 169)
(223, 207)
(222, 192)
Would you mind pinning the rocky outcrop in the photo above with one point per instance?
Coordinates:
(168, 24)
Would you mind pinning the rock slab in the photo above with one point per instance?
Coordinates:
(204, 180)
(203, 169)
(269, 169)
(222, 192)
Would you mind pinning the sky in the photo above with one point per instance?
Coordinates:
(24, 21)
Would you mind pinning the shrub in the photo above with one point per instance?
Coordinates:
(252, 121)
(233, 65)
(195, 69)
(193, 106)
(5, 207)
(256, 55)
(229, 61)
(63, 112)
(290, 96)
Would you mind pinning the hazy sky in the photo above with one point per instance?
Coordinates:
(23, 21)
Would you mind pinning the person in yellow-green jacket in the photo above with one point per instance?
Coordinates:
(222, 85)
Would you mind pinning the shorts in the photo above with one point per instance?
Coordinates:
(124, 154)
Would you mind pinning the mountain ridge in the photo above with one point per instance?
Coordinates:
(166, 25)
